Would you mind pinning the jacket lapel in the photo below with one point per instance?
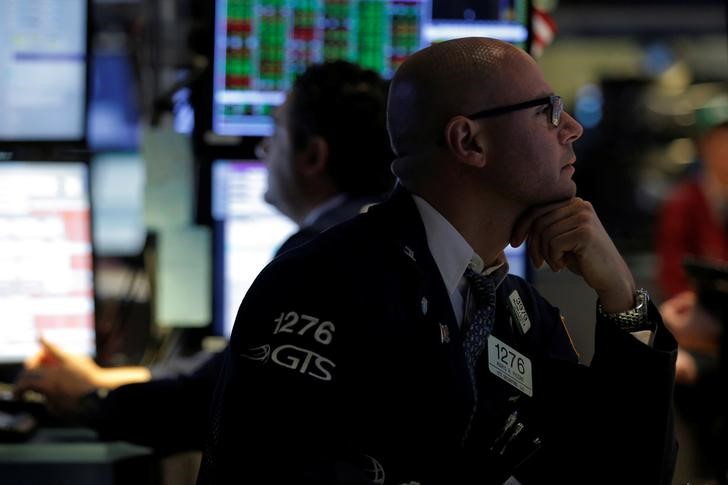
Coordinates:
(435, 313)
(403, 222)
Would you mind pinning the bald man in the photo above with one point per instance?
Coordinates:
(396, 348)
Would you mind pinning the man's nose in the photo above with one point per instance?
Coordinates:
(261, 149)
(571, 130)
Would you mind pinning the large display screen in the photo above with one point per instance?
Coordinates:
(247, 233)
(113, 109)
(261, 45)
(118, 203)
(43, 70)
(46, 282)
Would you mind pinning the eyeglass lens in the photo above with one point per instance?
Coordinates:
(557, 106)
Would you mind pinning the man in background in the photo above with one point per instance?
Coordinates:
(694, 220)
(328, 159)
(693, 224)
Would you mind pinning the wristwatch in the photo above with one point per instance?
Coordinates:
(633, 320)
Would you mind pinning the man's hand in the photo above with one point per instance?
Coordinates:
(691, 325)
(63, 378)
(568, 234)
(686, 369)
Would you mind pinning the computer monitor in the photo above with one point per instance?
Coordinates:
(118, 180)
(113, 110)
(46, 282)
(43, 49)
(247, 233)
(262, 45)
(507, 20)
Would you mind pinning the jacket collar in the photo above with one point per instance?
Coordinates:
(400, 220)
(403, 222)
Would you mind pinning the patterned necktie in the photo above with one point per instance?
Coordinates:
(482, 317)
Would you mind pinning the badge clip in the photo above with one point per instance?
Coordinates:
(519, 313)
(444, 334)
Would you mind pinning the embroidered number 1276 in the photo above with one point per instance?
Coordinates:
(292, 322)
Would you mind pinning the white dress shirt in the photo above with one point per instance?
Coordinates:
(453, 255)
(312, 216)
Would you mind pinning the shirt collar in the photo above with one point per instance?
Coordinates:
(318, 211)
(450, 250)
(499, 269)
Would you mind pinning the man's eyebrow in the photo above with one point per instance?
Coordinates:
(541, 96)
(544, 94)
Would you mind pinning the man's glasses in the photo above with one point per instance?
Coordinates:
(555, 103)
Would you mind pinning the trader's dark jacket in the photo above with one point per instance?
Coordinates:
(345, 366)
(170, 412)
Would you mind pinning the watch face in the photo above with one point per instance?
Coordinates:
(643, 300)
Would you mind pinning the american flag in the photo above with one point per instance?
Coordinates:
(544, 31)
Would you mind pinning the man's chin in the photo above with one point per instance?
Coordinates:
(276, 203)
(572, 189)
(569, 191)
(566, 193)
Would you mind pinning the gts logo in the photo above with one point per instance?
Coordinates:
(303, 361)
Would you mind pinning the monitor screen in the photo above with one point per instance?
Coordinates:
(247, 233)
(113, 113)
(261, 45)
(118, 203)
(43, 70)
(46, 282)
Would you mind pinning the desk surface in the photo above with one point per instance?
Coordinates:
(69, 445)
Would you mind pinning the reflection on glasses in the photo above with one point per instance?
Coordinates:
(555, 103)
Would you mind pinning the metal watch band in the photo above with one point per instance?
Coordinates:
(633, 320)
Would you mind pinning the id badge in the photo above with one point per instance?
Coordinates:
(510, 365)
(518, 312)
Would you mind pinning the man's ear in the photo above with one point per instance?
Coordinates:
(315, 157)
(462, 140)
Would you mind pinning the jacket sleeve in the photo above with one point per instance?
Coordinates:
(633, 384)
(614, 419)
(276, 411)
(168, 415)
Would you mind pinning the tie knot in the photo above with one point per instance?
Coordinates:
(482, 287)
